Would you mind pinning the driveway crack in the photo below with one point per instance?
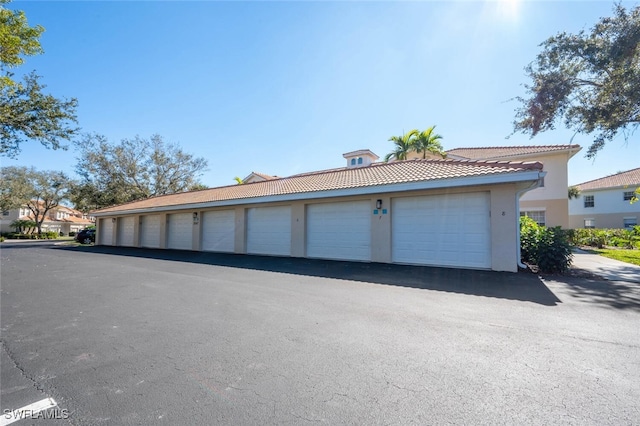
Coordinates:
(38, 386)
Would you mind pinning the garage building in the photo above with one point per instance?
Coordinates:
(461, 214)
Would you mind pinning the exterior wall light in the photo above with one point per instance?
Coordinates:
(195, 218)
(378, 204)
(113, 219)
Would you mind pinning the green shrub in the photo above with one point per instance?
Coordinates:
(1, 239)
(547, 248)
(49, 235)
(623, 238)
(72, 234)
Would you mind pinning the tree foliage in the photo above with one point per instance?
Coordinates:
(415, 141)
(17, 38)
(26, 112)
(39, 191)
(403, 145)
(23, 226)
(428, 141)
(591, 80)
(573, 192)
(131, 170)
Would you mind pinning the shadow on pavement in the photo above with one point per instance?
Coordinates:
(589, 288)
(514, 286)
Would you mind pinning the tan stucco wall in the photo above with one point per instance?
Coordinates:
(556, 211)
(241, 230)
(504, 224)
(381, 230)
(298, 229)
(606, 220)
(555, 181)
(196, 232)
(502, 218)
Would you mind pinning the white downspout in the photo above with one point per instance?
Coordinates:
(535, 185)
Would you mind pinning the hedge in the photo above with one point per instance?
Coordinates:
(547, 248)
(623, 238)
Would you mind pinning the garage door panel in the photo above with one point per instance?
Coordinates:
(269, 230)
(180, 231)
(442, 230)
(126, 231)
(106, 232)
(150, 231)
(339, 230)
(218, 231)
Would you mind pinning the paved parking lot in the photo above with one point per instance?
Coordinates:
(126, 336)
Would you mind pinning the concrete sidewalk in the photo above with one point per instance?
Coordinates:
(609, 269)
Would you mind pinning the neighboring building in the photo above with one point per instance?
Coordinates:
(257, 177)
(59, 219)
(548, 204)
(450, 213)
(606, 202)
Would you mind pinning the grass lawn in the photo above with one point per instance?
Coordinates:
(629, 256)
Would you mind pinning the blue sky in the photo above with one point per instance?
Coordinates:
(288, 87)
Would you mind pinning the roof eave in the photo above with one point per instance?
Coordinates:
(571, 151)
(630, 187)
(522, 176)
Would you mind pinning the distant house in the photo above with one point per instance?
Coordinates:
(547, 204)
(605, 202)
(258, 177)
(59, 219)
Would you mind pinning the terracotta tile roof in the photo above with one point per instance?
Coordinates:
(630, 178)
(74, 219)
(493, 153)
(70, 219)
(337, 179)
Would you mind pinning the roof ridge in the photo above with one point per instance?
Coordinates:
(500, 163)
(607, 176)
(515, 146)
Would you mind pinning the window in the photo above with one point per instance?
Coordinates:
(359, 160)
(627, 196)
(589, 223)
(353, 161)
(538, 216)
(629, 222)
(589, 201)
(5, 212)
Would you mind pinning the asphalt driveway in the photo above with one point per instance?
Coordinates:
(129, 336)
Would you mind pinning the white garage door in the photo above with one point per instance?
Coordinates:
(218, 230)
(106, 232)
(339, 230)
(150, 231)
(125, 231)
(442, 230)
(269, 230)
(180, 231)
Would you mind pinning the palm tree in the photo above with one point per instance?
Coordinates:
(403, 145)
(428, 141)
